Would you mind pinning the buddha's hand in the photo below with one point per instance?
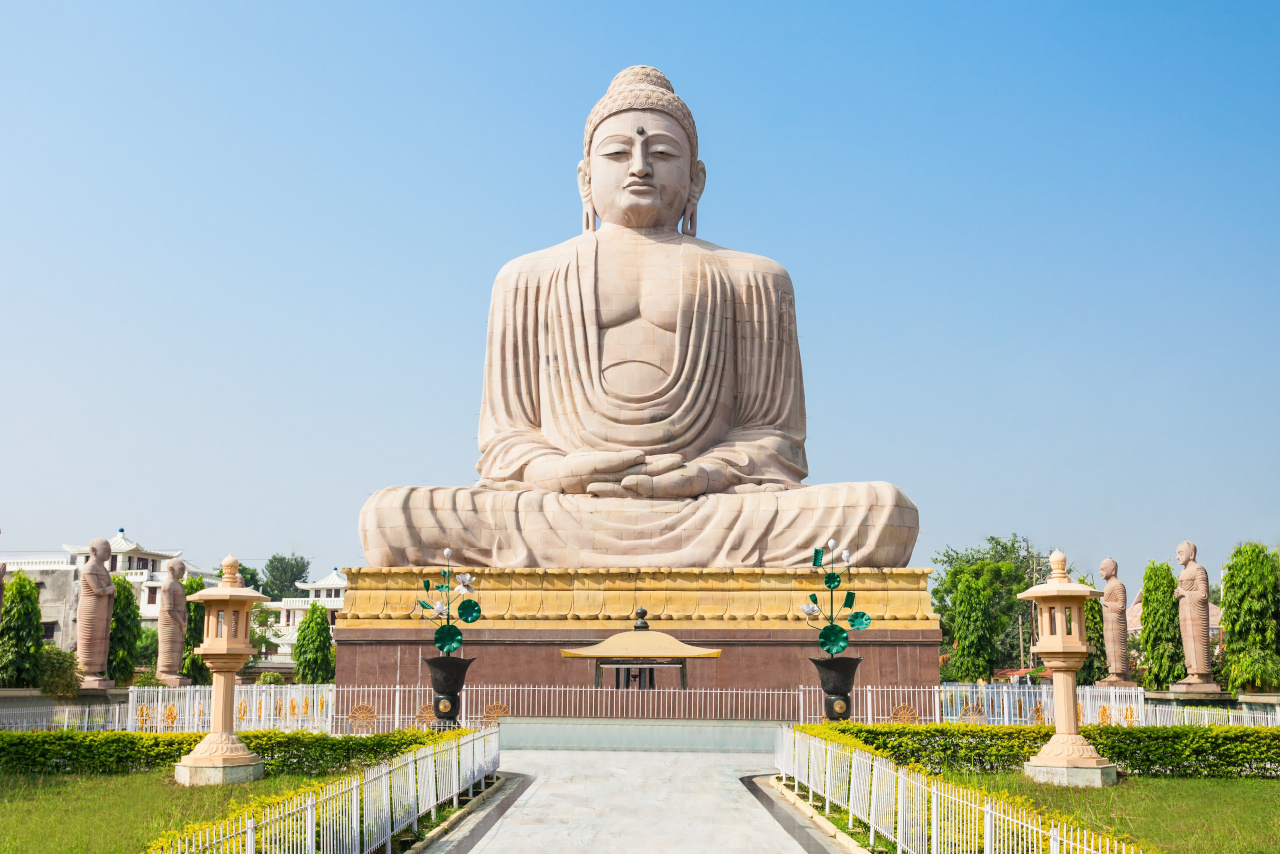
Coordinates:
(596, 472)
(688, 481)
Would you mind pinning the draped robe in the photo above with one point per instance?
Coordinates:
(734, 398)
(1193, 619)
(1115, 627)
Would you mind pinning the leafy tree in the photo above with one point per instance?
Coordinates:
(1095, 665)
(147, 679)
(262, 634)
(975, 632)
(1161, 636)
(1000, 567)
(282, 575)
(1251, 618)
(126, 630)
(270, 678)
(21, 635)
(59, 673)
(193, 667)
(313, 651)
(148, 647)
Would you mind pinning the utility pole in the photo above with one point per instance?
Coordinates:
(1031, 579)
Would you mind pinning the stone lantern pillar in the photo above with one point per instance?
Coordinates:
(1067, 759)
(221, 757)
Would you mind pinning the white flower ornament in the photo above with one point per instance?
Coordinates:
(464, 583)
(809, 609)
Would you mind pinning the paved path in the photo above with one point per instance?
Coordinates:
(617, 801)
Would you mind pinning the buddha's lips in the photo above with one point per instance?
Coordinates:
(638, 186)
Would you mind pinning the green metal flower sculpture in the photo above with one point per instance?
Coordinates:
(833, 638)
(448, 636)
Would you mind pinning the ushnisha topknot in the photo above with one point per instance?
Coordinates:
(641, 87)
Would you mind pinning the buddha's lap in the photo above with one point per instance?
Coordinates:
(410, 525)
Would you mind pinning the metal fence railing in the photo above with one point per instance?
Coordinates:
(100, 716)
(998, 703)
(363, 709)
(357, 814)
(923, 814)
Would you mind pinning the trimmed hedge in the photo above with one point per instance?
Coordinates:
(70, 752)
(1181, 751)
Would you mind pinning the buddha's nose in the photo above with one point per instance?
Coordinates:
(640, 161)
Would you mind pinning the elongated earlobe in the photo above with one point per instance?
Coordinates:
(689, 225)
(696, 186)
(584, 190)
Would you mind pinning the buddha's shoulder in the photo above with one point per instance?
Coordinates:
(735, 261)
(544, 260)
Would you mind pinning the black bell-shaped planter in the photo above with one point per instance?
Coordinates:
(448, 675)
(835, 675)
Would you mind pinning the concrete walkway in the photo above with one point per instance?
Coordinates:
(627, 801)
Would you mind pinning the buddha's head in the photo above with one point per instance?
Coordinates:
(1108, 569)
(640, 166)
(177, 569)
(1186, 553)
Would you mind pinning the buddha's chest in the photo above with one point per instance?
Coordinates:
(640, 295)
(640, 283)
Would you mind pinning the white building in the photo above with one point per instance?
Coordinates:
(57, 577)
(328, 592)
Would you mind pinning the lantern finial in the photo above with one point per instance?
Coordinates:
(1058, 563)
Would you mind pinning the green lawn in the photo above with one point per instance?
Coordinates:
(1175, 815)
(111, 814)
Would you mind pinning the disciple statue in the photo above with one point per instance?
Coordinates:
(93, 616)
(1193, 620)
(172, 626)
(1115, 626)
(643, 402)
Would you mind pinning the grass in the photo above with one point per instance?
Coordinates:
(92, 814)
(856, 829)
(1174, 815)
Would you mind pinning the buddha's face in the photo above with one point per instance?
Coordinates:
(1108, 569)
(1186, 553)
(640, 170)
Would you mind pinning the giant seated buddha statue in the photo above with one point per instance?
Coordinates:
(643, 402)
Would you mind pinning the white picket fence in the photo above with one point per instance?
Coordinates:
(361, 813)
(100, 716)
(920, 813)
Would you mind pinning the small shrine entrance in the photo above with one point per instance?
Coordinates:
(634, 656)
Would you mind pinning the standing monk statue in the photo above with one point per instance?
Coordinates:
(1193, 619)
(643, 402)
(172, 626)
(1115, 627)
(93, 616)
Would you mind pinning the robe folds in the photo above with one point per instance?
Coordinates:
(734, 397)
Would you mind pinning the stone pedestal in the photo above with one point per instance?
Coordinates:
(96, 683)
(1093, 777)
(174, 681)
(1116, 682)
(1195, 684)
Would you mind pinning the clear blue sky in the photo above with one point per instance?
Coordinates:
(246, 253)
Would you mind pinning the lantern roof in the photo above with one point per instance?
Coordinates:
(231, 588)
(1058, 585)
